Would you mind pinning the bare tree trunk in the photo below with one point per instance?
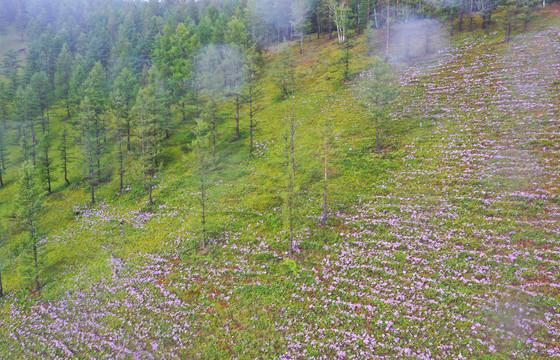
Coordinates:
(48, 168)
(451, 14)
(121, 163)
(34, 142)
(330, 26)
(150, 188)
(427, 39)
(251, 113)
(213, 133)
(387, 35)
(237, 105)
(326, 174)
(91, 171)
(470, 14)
(461, 11)
(37, 284)
(278, 26)
(203, 201)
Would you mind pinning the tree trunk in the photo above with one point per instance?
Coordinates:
(128, 134)
(326, 175)
(251, 115)
(451, 27)
(150, 188)
(278, 26)
(37, 284)
(237, 105)
(91, 169)
(213, 134)
(461, 11)
(48, 168)
(470, 14)
(43, 123)
(65, 165)
(121, 163)
(203, 202)
(387, 34)
(330, 26)
(427, 39)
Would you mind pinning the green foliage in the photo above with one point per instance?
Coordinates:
(28, 211)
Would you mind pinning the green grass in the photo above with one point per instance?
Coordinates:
(407, 218)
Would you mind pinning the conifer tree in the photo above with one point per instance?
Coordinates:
(45, 161)
(10, 67)
(28, 210)
(63, 76)
(86, 121)
(76, 81)
(253, 94)
(5, 105)
(94, 89)
(377, 88)
(200, 146)
(40, 86)
(149, 137)
(126, 86)
(63, 148)
(117, 121)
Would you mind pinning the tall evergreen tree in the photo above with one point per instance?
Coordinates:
(149, 137)
(95, 89)
(45, 161)
(63, 76)
(200, 146)
(119, 123)
(87, 123)
(126, 86)
(27, 214)
(64, 154)
(41, 87)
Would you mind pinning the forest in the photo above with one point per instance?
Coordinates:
(321, 179)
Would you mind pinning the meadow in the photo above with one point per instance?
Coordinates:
(444, 245)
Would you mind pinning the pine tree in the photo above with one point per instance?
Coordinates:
(377, 88)
(45, 161)
(63, 148)
(86, 120)
(253, 94)
(28, 210)
(149, 137)
(126, 86)
(5, 105)
(41, 87)
(77, 79)
(10, 67)
(63, 76)
(94, 89)
(200, 146)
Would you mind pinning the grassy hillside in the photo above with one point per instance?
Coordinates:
(445, 245)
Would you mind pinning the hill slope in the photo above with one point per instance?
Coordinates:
(444, 246)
